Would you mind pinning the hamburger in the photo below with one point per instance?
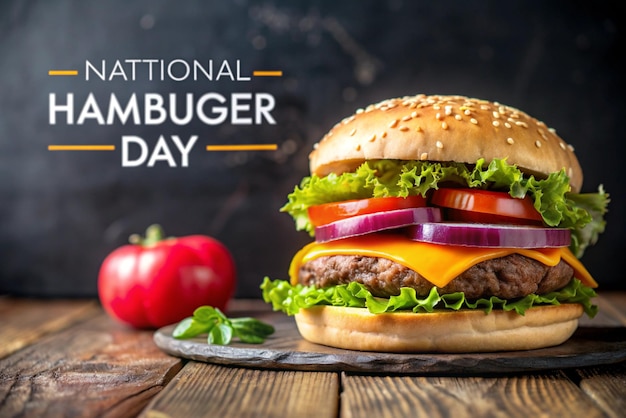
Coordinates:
(441, 224)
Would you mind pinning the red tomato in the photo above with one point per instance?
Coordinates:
(330, 212)
(475, 205)
(159, 282)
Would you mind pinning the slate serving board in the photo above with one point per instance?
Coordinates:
(286, 350)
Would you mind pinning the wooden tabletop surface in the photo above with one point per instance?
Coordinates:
(66, 358)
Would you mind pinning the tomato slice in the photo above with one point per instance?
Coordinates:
(475, 205)
(330, 212)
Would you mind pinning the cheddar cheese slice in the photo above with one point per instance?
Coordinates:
(439, 264)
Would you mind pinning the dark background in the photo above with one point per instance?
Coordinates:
(61, 213)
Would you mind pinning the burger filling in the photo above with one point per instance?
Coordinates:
(384, 276)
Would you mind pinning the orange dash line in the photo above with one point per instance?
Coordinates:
(259, 73)
(63, 72)
(81, 147)
(246, 147)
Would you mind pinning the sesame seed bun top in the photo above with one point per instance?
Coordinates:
(444, 128)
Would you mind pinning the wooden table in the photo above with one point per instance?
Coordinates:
(66, 358)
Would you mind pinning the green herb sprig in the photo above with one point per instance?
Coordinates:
(220, 329)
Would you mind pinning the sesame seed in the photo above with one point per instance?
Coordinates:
(359, 111)
(414, 114)
(467, 112)
(406, 118)
(352, 132)
(562, 145)
(495, 123)
(438, 116)
(474, 121)
(522, 124)
(372, 138)
(384, 134)
(316, 145)
(444, 125)
(507, 124)
(510, 141)
(404, 128)
(448, 110)
(358, 147)
(424, 156)
(538, 144)
(458, 117)
(394, 123)
(418, 128)
(439, 144)
(570, 147)
(485, 107)
(436, 107)
(496, 115)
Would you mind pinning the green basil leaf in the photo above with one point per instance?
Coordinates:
(189, 328)
(206, 314)
(250, 338)
(220, 329)
(220, 315)
(220, 334)
(251, 326)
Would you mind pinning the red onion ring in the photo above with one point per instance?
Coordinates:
(489, 235)
(374, 222)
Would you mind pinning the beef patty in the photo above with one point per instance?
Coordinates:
(508, 277)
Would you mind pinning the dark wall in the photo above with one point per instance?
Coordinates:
(61, 213)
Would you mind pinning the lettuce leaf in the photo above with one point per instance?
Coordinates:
(290, 299)
(596, 205)
(381, 178)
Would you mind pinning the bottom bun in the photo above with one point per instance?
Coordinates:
(448, 332)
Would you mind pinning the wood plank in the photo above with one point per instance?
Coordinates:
(95, 368)
(26, 320)
(550, 394)
(607, 387)
(206, 390)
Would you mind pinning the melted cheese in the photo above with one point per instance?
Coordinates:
(438, 264)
